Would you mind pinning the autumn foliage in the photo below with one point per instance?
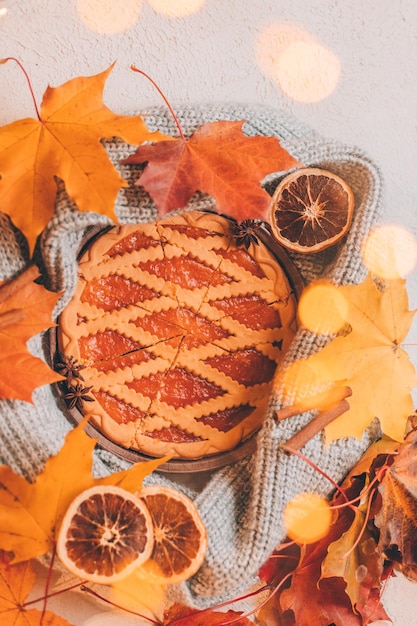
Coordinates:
(16, 581)
(361, 373)
(339, 579)
(218, 159)
(64, 142)
(364, 360)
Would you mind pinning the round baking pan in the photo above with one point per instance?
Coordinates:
(176, 465)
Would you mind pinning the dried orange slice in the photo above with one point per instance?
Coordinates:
(311, 210)
(180, 538)
(106, 533)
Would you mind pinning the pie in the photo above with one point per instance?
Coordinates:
(178, 326)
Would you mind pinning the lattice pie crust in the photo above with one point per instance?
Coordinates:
(179, 331)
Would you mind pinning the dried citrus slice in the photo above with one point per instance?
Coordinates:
(180, 538)
(311, 210)
(105, 534)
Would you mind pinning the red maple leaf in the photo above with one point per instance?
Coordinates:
(218, 159)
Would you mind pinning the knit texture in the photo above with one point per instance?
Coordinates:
(241, 504)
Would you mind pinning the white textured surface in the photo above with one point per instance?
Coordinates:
(366, 50)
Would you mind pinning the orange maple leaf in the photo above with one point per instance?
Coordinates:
(218, 159)
(16, 581)
(64, 143)
(25, 310)
(30, 513)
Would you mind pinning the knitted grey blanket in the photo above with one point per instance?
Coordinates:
(241, 504)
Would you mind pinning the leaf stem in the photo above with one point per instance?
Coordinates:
(165, 99)
(365, 522)
(323, 473)
(118, 606)
(180, 621)
(38, 115)
(47, 584)
(379, 476)
(53, 594)
(261, 604)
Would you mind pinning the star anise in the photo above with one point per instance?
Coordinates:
(76, 395)
(69, 367)
(246, 232)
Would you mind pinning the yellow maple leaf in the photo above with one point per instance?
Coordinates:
(65, 143)
(367, 357)
(30, 513)
(16, 581)
(140, 594)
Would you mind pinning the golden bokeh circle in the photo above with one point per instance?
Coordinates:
(108, 17)
(304, 69)
(390, 251)
(176, 8)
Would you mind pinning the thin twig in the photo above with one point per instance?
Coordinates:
(261, 604)
(58, 592)
(117, 606)
(323, 473)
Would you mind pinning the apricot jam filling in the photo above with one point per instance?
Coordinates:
(179, 331)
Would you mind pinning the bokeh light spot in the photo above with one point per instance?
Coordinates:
(109, 16)
(322, 308)
(307, 518)
(176, 8)
(390, 251)
(305, 70)
(308, 72)
(273, 41)
(299, 383)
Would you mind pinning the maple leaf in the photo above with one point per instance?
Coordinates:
(218, 159)
(64, 143)
(16, 581)
(139, 594)
(276, 572)
(362, 567)
(314, 600)
(354, 554)
(30, 513)
(316, 604)
(397, 518)
(333, 580)
(25, 310)
(368, 358)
